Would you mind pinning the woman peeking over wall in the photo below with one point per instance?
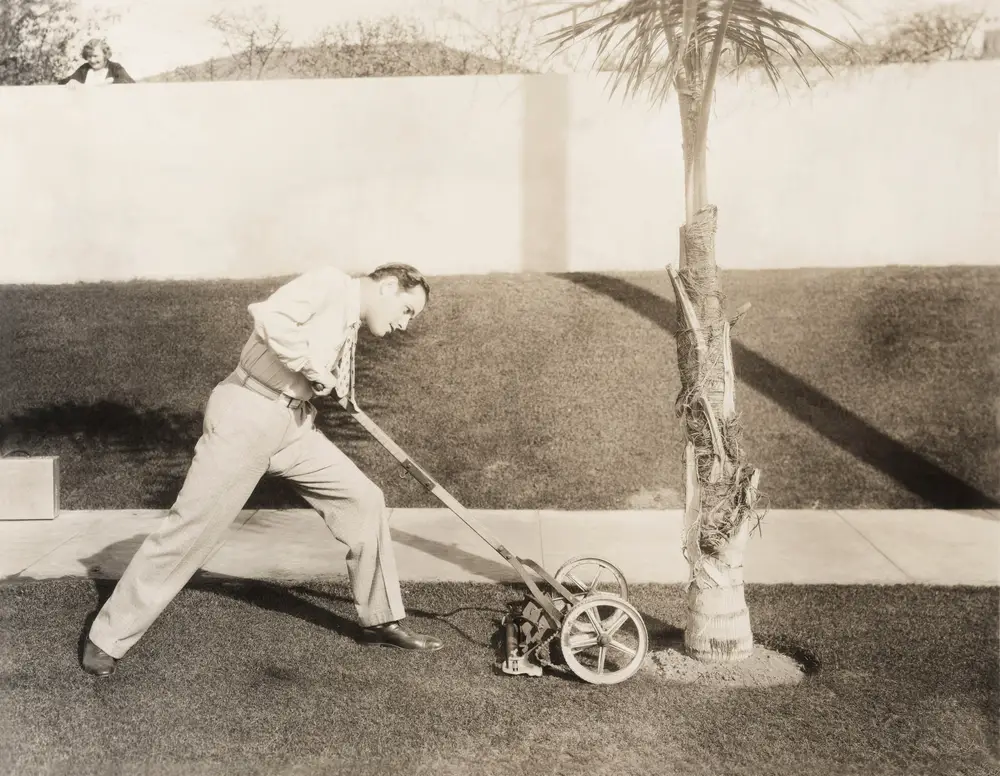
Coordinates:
(97, 69)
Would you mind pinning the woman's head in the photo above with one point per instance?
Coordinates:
(97, 52)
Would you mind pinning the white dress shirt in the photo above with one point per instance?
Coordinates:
(98, 77)
(302, 330)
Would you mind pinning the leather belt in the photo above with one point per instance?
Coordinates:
(249, 381)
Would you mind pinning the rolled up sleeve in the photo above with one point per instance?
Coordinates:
(281, 321)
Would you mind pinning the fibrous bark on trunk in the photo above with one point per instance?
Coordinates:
(720, 486)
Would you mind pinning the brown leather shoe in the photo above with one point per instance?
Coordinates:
(96, 661)
(392, 634)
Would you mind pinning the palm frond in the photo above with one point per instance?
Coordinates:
(650, 39)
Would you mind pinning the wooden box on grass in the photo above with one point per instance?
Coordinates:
(29, 488)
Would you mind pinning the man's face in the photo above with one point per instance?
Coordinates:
(96, 59)
(393, 308)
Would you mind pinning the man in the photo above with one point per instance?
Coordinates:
(260, 420)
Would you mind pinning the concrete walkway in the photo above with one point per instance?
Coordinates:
(793, 546)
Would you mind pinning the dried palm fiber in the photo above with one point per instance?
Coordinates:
(727, 489)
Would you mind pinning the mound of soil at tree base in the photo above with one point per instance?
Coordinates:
(764, 668)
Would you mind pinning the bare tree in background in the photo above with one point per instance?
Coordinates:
(509, 37)
(390, 46)
(254, 41)
(207, 71)
(939, 33)
(259, 47)
(935, 34)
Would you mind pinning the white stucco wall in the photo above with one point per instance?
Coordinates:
(481, 174)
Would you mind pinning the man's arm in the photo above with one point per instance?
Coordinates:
(280, 320)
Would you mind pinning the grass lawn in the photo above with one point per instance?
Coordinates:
(260, 678)
(858, 388)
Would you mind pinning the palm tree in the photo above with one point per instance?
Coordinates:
(679, 45)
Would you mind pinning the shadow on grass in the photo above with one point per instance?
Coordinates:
(105, 567)
(156, 444)
(309, 604)
(304, 602)
(833, 421)
(264, 595)
(492, 570)
(804, 656)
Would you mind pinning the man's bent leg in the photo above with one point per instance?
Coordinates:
(354, 509)
(240, 432)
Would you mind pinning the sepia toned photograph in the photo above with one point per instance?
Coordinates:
(481, 387)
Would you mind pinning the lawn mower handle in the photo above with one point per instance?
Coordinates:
(452, 503)
(420, 475)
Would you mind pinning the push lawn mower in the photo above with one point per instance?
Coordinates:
(594, 631)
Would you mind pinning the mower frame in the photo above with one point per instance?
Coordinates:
(517, 661)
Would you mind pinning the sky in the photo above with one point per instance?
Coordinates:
(151, 36)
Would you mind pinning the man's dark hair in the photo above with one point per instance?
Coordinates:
(408, 277)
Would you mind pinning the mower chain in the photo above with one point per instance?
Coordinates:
(545, 662)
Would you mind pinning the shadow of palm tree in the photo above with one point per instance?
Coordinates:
(836, 423)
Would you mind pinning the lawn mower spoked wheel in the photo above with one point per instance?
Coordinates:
(591, 621)
(603, 639)
(584, 576)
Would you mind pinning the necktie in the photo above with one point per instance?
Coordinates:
(344, 370)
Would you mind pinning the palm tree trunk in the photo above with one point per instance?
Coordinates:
(720, 487)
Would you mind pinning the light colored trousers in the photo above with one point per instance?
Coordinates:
(246, 435)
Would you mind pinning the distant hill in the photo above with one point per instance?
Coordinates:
(349, 61)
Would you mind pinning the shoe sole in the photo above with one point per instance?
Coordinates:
(397, 646)
(99, 674)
